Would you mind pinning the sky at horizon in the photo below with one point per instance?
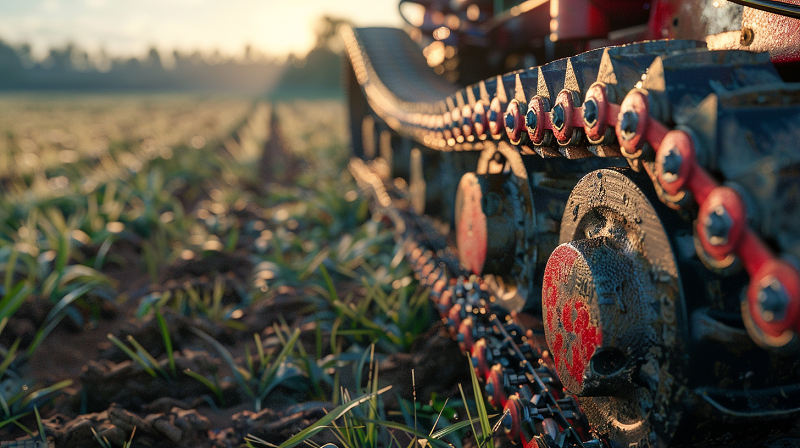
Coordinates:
(125, 28)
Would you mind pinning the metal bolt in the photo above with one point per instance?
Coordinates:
(590, 112)
(718, 226)
(511, 122)
(628, 125)
(772, 299)
(531, 119)
(672, 164)
(558, 116)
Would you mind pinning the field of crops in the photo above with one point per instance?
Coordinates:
(176, 271)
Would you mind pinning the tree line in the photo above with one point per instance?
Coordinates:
(71, 68)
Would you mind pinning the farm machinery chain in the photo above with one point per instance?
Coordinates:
(627, 226)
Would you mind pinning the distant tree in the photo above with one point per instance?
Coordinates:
(70, 67)
(322, 66)
(327, 31)
(10, 65)
(153, 59)
(60, 59)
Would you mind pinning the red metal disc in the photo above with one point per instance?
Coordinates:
(572, 333)
(514, 409)
(471, 234)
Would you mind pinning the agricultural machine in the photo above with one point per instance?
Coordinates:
(604, 198)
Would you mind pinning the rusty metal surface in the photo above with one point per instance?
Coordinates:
(619, 299)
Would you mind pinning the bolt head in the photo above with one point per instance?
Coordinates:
(508, 422)
(718, 226)
(531, 119)
(672, 164)
(772, 300)
(590, 112)
(511, 122)
(629, 124)
(557, 115)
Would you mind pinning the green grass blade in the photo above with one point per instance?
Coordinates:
(4, 405)
(11, 266)
(208, 383)
(133, 355)
(371, 429)
(269, 374)
(251, 438)
(486, 428)
(328, 282)
(233, 239)
(130, 441)
(411, 431)
(162, 325)
(11, 355)
(13, 419)
(453, 428)
(228, 358)
(46, 390)
(469, 416)
(146, 355)
(14, 298)
(328, 419)
(260, 350)
(56, 314)
(42, 435)
(103, 442)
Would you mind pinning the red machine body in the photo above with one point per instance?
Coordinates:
(514, 34)
(622, 180)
